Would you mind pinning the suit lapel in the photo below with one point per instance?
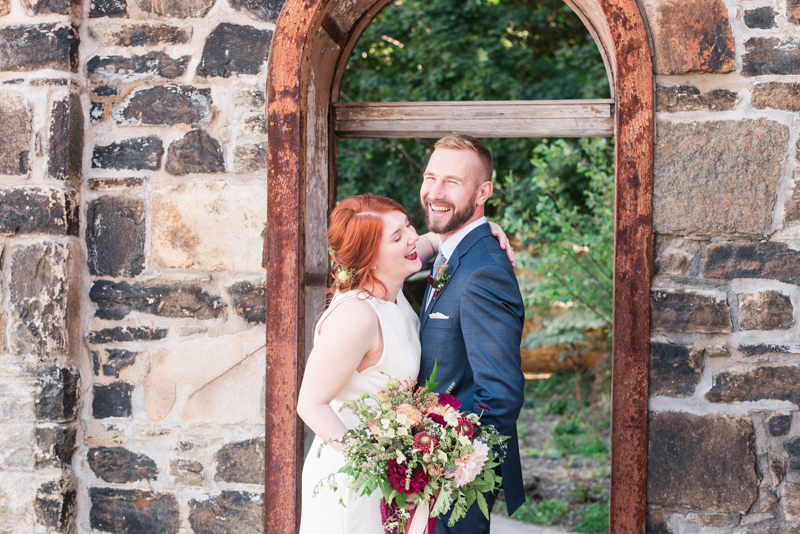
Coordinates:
(452, 265)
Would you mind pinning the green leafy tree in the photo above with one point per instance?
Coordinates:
(555, 196)
(438, 50)
(569, 243)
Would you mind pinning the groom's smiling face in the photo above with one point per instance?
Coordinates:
(454, 190)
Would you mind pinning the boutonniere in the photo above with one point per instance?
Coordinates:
(438, 283)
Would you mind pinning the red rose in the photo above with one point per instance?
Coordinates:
(397, 478)
(449, 400)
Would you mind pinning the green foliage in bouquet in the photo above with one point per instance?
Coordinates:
(415, 446)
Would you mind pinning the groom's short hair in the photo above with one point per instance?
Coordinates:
(467, 142)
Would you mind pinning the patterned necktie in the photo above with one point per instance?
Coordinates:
(440, 260)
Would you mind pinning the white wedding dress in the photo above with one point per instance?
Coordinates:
(323, 514)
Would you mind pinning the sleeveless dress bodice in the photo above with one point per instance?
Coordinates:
(400, 360)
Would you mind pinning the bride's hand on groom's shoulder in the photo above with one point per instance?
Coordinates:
(502, 239)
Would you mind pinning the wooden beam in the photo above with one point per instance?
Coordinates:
(523, 118)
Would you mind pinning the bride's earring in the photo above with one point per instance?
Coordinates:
(375, 266)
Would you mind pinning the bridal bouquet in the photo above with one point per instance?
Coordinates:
(422, 453)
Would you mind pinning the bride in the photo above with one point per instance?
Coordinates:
(368, 333)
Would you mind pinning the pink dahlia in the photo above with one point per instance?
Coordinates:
(469, 466)
(397, 478)
(425, 441)
(445, 399)
(465, 427)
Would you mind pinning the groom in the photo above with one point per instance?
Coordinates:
(472, 326)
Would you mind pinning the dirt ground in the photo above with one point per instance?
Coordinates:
(548, 474)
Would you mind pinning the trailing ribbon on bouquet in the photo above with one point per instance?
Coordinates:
(418, 524)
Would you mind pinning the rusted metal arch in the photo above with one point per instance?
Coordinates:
(311, 46)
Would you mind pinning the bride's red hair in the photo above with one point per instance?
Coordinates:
(354, 235)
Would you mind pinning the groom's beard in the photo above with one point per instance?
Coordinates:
(458, 218)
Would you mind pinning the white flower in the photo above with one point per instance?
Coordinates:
(451, 419)
(464, 440)
(473, 417)
(389, 433)
(386, 406)
(400, 457)
(385, 423)
(402, 431)
(404, 420)
(442, 456)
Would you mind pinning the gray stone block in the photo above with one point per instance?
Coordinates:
(119, 465)
(196, 152)
(31, 47)
(232, 49)
(689, 311)
(115, 235)
(713, 178)
(15, 116)
(65, 140)
(133, 511)
(241, 462)
(777, 383)
(165, 105)
(44, 292)
(231, 512)
(702, 462)
(38, 210)
(765, 310)
(117, 300)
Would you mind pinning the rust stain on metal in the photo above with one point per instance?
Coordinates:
(633, 259)
(284, 258)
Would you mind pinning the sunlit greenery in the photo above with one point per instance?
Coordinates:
(438, 50)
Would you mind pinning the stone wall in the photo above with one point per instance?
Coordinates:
(132, 207)
(725, 329)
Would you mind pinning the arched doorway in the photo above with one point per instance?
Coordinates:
(311, 48)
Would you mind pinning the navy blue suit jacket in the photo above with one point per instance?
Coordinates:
(477, 348)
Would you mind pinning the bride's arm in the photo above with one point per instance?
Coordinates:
(428, 244)
(347, 335)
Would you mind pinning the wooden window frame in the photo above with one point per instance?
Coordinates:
(312, 44)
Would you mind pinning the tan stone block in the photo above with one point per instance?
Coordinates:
(217, 380)
(209, 225)
(790, 502)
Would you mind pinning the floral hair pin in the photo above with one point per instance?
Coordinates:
(345, 275)
(441, 279)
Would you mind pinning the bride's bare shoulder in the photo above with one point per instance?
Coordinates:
(354, 315)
